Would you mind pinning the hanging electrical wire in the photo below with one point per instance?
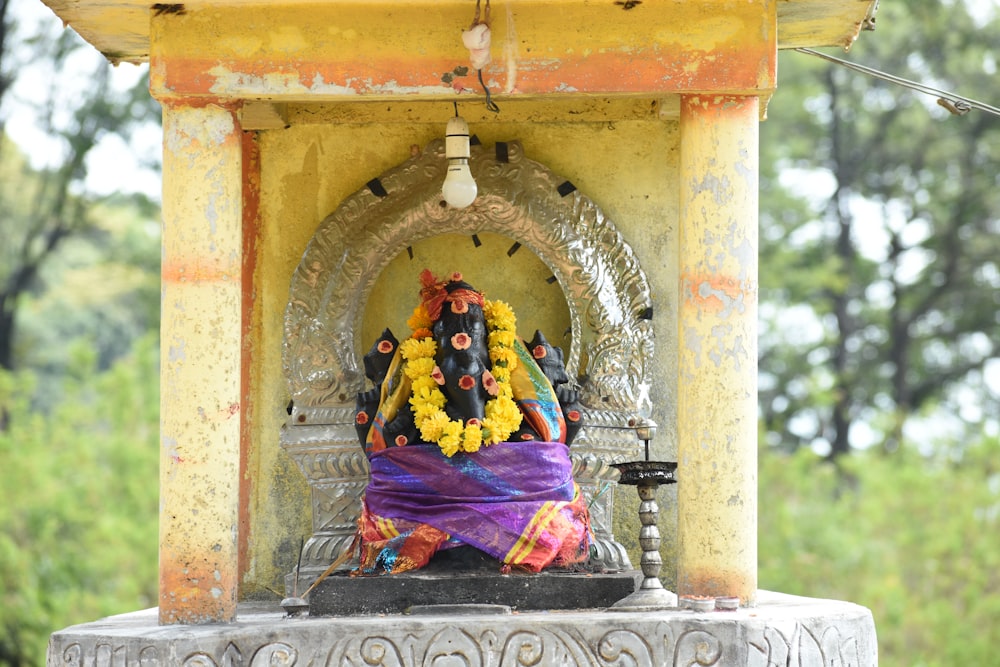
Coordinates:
(956, 104)
(477, 41)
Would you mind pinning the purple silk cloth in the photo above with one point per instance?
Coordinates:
(516, 501)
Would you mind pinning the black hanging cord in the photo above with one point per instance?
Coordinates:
(490, 104)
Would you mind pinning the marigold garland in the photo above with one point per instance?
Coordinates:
(502, 416)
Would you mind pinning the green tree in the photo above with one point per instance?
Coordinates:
(879, 236)
(102, 289)
(78, 499)
(914, 539)
(41, 209)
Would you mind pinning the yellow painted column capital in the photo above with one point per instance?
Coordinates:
(201, 401)
(717, 346)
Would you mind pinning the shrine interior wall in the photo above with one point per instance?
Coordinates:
(629, 168)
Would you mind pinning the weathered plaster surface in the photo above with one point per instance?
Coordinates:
(120, 28)
(717, 347)
(200, 399)
(335, 50)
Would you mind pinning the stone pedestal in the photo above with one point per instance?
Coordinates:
(345, 595)
(780, 630)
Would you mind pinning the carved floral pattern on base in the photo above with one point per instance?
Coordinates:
(507, 642)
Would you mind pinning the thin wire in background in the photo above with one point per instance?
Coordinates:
(956, 104)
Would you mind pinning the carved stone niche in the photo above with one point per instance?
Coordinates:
(606, 293)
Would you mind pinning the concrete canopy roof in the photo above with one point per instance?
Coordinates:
(120, 29)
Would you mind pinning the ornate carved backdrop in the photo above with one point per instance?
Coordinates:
(606, 293)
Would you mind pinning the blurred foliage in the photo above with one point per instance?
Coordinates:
(79, 368)
(44, 204)
(78, 498)
(880, 237)
(99, 286)
(914, 538)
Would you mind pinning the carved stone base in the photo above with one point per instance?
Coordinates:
(781, 630)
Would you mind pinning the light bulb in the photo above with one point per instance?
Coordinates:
(459, 188)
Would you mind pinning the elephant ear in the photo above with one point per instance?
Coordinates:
(379, 357)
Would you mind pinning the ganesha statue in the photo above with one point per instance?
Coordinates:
(467, 433)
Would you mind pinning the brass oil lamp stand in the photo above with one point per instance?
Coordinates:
(647, 476)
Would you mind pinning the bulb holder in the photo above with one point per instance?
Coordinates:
(459, 189)
(456, 138)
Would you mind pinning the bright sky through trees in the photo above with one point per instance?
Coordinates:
(112, 165)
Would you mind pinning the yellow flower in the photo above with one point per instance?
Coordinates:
(491, 435)
(423, 411)
(504, 413)
(494, 430)
(413, 348)
(453, 428)
(424, 385)
(432, 427)
(472, 438)
(419, 368)
(428, 395)
(504, 338)
(503, 356)
(449, 445)
(499, 315)
(451, 440)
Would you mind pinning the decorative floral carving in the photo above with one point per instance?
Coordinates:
(827, 638)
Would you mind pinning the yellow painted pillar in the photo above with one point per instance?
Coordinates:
(717, 347)
(200, 373)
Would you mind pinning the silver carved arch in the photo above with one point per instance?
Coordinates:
(606, 292)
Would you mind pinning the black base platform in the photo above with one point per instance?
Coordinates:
(468, 577)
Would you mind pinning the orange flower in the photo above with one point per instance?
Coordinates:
(490, 383)
(420, 319)
(461, 341)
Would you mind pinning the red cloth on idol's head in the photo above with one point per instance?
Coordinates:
(434, 293)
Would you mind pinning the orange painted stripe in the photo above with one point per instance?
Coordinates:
(703, 291)
(195, 273)
(731, 69)
(187, 581)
